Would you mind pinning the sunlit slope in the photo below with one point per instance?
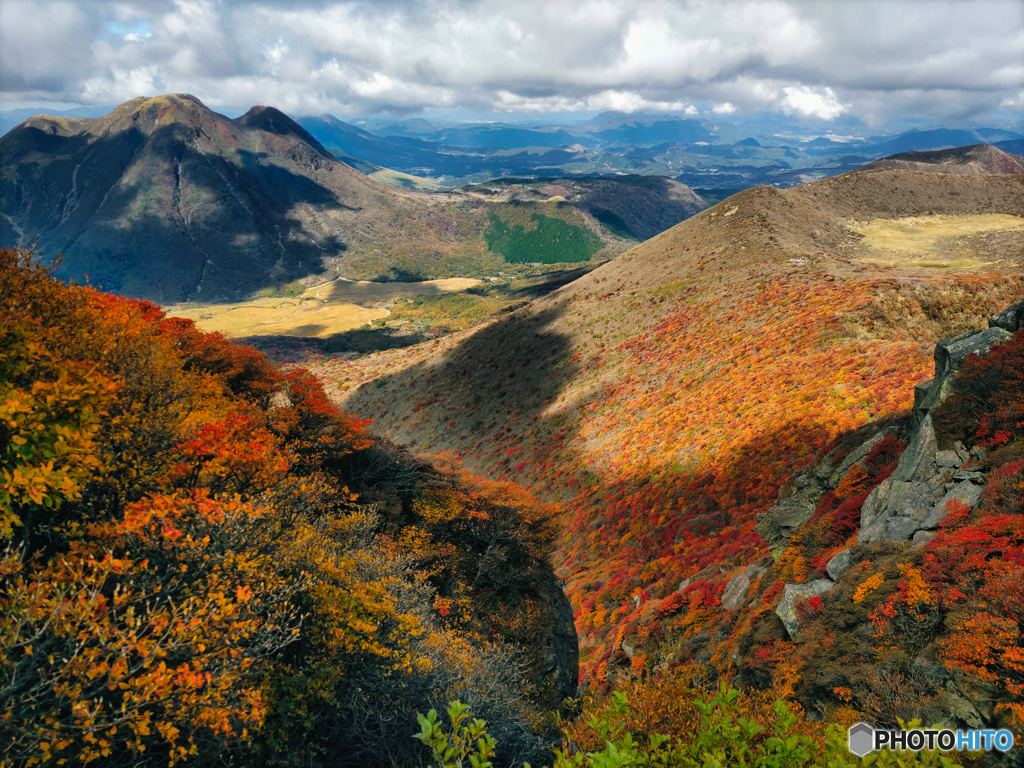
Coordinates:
(665, 396)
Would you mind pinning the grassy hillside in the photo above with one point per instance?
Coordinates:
(665, 398)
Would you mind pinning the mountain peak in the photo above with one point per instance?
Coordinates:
(273, 120)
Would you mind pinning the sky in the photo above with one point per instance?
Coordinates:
(818, 60)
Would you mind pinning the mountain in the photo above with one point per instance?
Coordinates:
(631, 207)
(672, 398)
(167, 200)
(704, 154)
(441, 156)
(975, 159)
(937, 138)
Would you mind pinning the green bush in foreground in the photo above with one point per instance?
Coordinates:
(724, 738)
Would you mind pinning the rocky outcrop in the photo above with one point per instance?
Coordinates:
(558, 674)
(949, 359)
(777, 525)
(914, 498)
(792, 595)
(1010, 319)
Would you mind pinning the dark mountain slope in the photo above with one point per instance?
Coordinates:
(166, 199)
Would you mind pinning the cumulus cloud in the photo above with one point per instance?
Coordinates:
(812, 60)
(808, 101)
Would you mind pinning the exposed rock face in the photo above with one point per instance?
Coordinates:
(895, 509)
(1010, 319)
(559, 673)
(777, 525)
(949, 359)
(914, 497)
(793, 594)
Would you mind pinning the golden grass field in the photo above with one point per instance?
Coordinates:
(320, 311)
(943, 242)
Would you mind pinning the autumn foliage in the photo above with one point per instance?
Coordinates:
(185, 574)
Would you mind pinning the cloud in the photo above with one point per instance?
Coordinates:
(810, 60)
(809, 102)
(724, 108)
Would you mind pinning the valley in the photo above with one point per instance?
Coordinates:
(666, 398)
(567, 434)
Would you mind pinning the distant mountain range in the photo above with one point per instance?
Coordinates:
(698, 153)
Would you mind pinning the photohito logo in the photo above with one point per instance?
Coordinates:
(862, 739)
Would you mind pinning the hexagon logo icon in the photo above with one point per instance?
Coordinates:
(861, 739)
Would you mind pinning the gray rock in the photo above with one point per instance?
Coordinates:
(1010, 319)
(735, 591)
(629, 646)
(949, 359)
(948, 459)
(776, 526)
(895, 509)
(970, 474)
(758, 569)
(683, 585)
(838, 565)
(793, 594)
(966, 492)
(921, 538)
(856, 456)
(962, 452)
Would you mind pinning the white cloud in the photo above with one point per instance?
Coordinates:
(809, 59)
(810, 103)
(691, 111)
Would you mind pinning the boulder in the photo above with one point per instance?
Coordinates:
(793, 594)
(1010, 319)
(921, 538)
(776, 526)
(735, 591)
(838, 565)
(629, 646)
